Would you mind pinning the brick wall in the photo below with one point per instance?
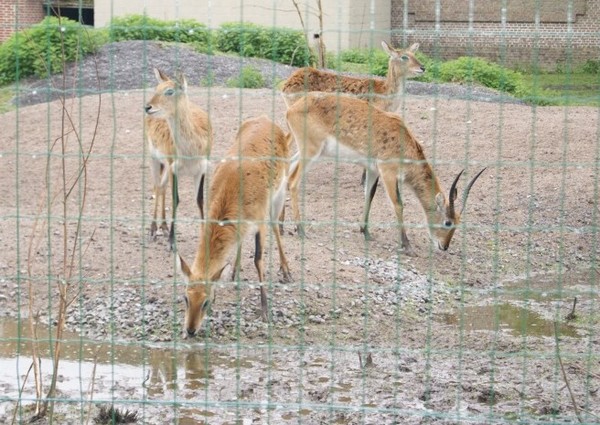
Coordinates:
(521, 35)
(19, 14)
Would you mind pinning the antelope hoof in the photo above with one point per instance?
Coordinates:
(153, 229)
(300, 230)
(409, 252)
(164, 228)
(365, 231)
(264, 317)
(286, 277)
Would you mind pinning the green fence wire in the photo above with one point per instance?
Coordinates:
(500, 328)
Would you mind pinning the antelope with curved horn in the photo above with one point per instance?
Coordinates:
(247, 192)
(385, 93)
(351, 129)
(190, 131)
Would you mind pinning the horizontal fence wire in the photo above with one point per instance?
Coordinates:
(391, 299)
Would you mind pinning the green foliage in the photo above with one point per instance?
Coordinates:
(355, 55)
(142, 27)
(249, 78)
(591, 66)
(432, 68)
(477, 70)
(6, 95)
(250, 40)
(44, 48)
(376, 60)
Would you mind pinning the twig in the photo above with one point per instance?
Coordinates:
(92, 385)
(20, 393)
(564, 373)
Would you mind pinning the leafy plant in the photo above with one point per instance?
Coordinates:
(249, 78)
(39, 49)
(591, 66)
(142, 27)
(250, 40)
(375, 59)
(477, 70)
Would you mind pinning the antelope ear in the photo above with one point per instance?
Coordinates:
(289, 140)
(219, 275)
(160, 76)
(183, 269)
(414, 47)
(386, 48)
(181, 81)
(440, 201)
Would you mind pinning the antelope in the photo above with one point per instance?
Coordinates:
(162, 152)
(384, 94)
(247, 189)
(350, 128)
(190, 132)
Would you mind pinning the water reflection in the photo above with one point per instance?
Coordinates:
(178, 372)
(506, 316)
(511, 313)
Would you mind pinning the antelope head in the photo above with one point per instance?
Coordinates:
(403, 63)
(198, 297)
(446, 217)
(167, 95)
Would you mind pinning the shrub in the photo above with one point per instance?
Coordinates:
(355, 55)
(376, 59)
(591, 66)
(477, 70)
(44, 48)
(249, 78)
(142, 27)
(250, 40)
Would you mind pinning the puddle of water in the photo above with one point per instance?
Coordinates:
(541, 290)
(155, 373)
(505, 316)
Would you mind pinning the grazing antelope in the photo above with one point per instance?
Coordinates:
(352, 129)
(385, 94)
(190, 131)
(162, 152)
(248, 188)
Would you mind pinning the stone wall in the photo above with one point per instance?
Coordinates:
(526, 33)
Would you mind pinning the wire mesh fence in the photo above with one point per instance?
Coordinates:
(488, 315)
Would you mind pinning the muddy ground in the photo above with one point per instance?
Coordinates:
(529, 239)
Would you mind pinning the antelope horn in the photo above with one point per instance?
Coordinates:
(452, 195)
(468, 189)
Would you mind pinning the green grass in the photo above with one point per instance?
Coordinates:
(6, 94)
(568, 89)
(577, 89)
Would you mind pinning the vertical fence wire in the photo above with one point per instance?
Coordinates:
(500, 328)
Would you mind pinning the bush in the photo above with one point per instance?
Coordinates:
(250, 40)
(142, 27)
(355, 55)
(249, 78)
(591, 67)
(477, 70)
(376, 59)
(44, 48)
